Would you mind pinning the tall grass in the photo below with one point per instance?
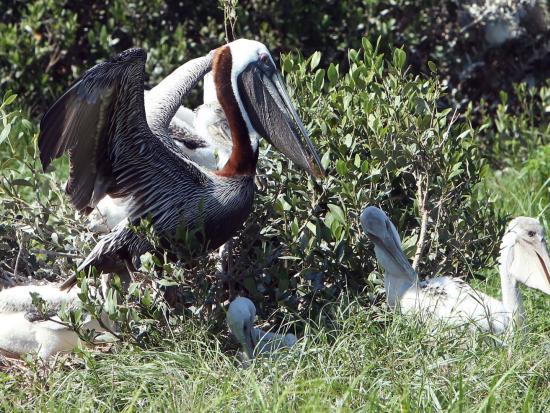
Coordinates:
(371, 360)
(354, 356)
(524, 189)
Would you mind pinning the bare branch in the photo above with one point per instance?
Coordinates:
(229, 18)
(56, 253)
(18, 259)
(422, 195)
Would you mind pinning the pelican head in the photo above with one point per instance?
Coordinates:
(264, 102)
(527, 261)
(240, 320)
(387, 244)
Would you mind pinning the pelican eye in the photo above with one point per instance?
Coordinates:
(264, 62)
(531, 233)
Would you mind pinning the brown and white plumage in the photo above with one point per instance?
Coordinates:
(101, 122)
(122, 157)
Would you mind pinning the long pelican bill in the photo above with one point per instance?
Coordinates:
(249, 343)
(392, 250)
(529, 261)
(273, 115)
(383, 234)
(541, 252)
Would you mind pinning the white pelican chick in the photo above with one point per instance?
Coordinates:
(240, 320)
(19, 334)
(523, 258)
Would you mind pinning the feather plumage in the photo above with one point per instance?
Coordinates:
(524, 258)
(125, 159)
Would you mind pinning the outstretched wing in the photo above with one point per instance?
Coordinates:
(100, 121)
(104, 106)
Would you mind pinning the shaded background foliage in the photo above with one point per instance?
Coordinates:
(47, 41)
(381, 117)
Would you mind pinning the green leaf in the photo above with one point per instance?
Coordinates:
(457, 170)
(332, 73)
(21, 182)
(286, 64)
(367, 45)
(325, 160)
(315, 59)
(167, 283)
(110, 303)
(147, 299)
(432, 66)
(319, 79)
(399, 58)
(338, 213)
(5, 133)
(26, 124)
(9, 100)
(133, 289)
(341, 167)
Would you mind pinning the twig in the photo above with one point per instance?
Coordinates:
(7, 268)
(16, 266)
(229, 18)
(453, 120)
(55, 56)
(116, 335)
(478, 20)
(56, 253)
(422, 201)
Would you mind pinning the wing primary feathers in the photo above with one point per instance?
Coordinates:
(104, 106)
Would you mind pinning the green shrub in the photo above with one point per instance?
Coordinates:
(518, 128)
(36, 215)
(383, 140)
(46, 44)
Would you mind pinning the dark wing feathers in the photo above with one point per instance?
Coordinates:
(87, 116)
(101, 123)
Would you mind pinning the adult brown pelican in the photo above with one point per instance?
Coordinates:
(114, 150)
(523, 258)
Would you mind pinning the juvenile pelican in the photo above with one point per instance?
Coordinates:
(523, 258)
(116, 150)
(19, 334)
(240, 320)
(203, 134)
